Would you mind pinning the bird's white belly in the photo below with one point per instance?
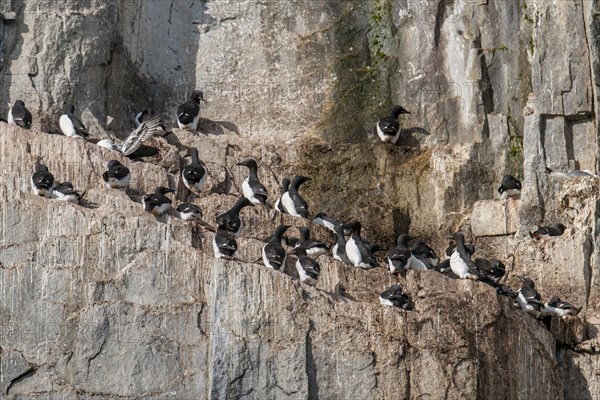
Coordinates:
(415, 263)
(288, 205)
(304, 277)
(387, 138)
(11, 120)
(385, 302)
(66, 126)
(353, 253)
(248, 193)
(458, 266)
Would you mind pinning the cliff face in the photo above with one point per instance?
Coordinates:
(105, 301)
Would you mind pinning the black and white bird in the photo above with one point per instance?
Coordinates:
(42, 181)
(460, 262)
(399, 256)
(559, 308)
(388, 128)
(509, 187)
(194, 175)
(422, 256)
(19, 115)
(357, 251)
(224, 244)
(291, 200)
(188, 113)
(157, 203)
(395, 297)
(136, 138)
(339, 248)
(117, 176)
(491, 271)
(450, 249)
(189, 212)
(528, 298)
(70, 125)
(547, 232)
(308, 269)
(252, 189)
(328, 222)
(273, 253)
(65, 192)
(285, 185)
(230, 220)
(314, 248)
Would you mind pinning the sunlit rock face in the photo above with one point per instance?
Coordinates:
(104, 300)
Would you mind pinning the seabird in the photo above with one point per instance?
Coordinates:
(157, 203)
(460, 261)
(573, 174)
(70, 125)
(291, 200)
(136, 138)
(273, 253)
(450, 249)
(559, 308)
(188, 113)
(224, 244)
(388, 128)
(395, 297)
(308, 269)
(314, 248)
(189, 212)
(251, 187)
(230, 220)
(528, 298)
(422, 256)
(65, 192)
(19, 115)
(546, 232)
(339, 248)
(42, 181)
(399, 256)
(285, 185)
(327, 222)
(194, 175)
(356, 250)
(117, 176)
(490, 270)
(510, 187)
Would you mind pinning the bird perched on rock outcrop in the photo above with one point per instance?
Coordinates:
(308, 269)
(395, 297)
(357, 251)
(136, 138)
(189, 212)
(194, 174)
(339, 248)
(224, 244)
(230, 220)
(157, 203)
(559, 308)
(399, 256)
(314, 248)
(188, 113)
(117, 176)
(460, 262)
(491, 271)
(388, 128)
(528, 298)
(285, 185)
(19, 115)
(273, 253)
(328, 222)
(65, 192)
(422, 256)
(252, 189)
(70, 125)
(547, 232)
(42, 181)
(291, 200)
(509, 187)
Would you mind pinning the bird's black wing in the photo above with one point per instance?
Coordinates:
(187, 112)
(389, 126)
(276, 254)
(140, 135)
(193, 173)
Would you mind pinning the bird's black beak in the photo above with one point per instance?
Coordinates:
(521, 278)
(170, 191)
(405, 112)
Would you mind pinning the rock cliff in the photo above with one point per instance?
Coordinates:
(105, 301)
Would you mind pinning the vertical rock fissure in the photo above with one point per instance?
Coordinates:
(311, 367)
